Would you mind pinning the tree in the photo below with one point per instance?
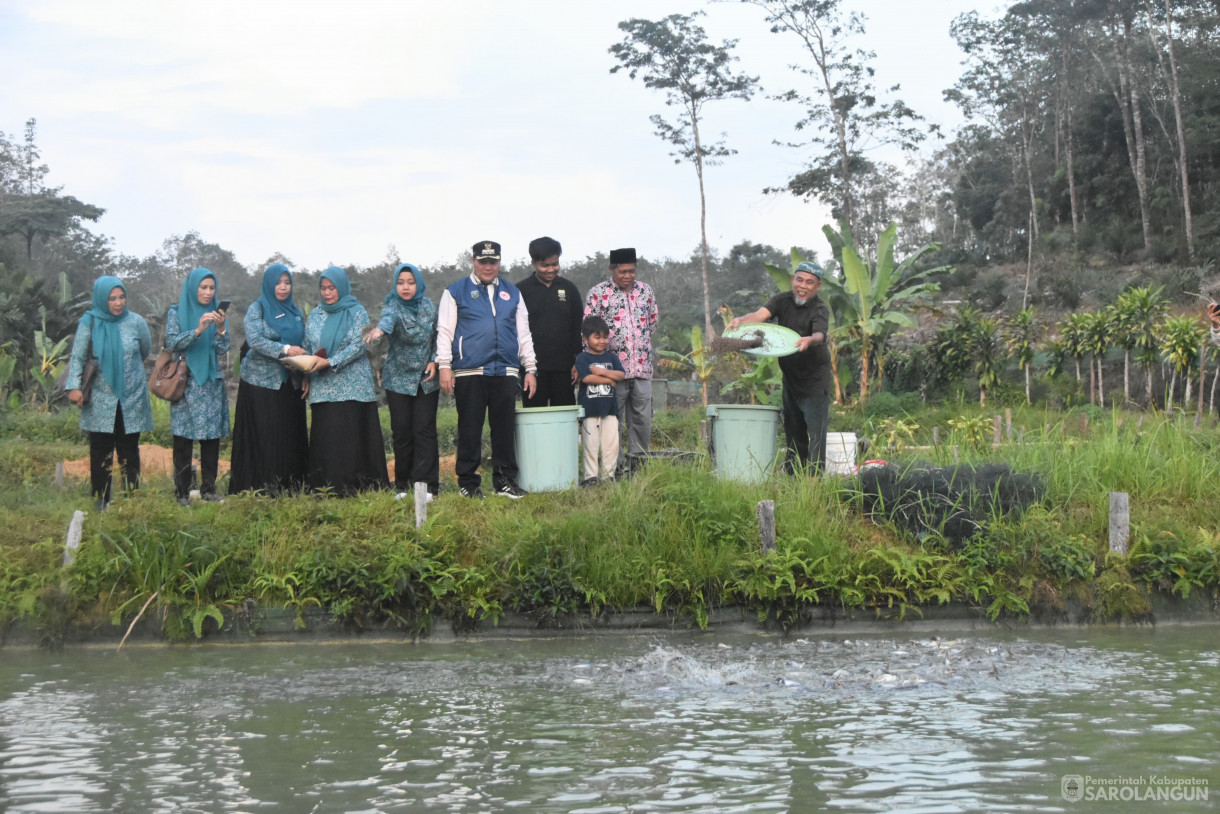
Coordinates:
(45, 214)
(1095, 337)
(28, 207)
(1022, 340)
(1181, 338)
(1139, 314)
(673, 55)
(988, 351)
(1004, 86)
(843, 116)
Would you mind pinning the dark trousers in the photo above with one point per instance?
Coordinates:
(555, 389)
(492, 399)
(416, 451)
(209, 462)
(103, 446)
(806, 419)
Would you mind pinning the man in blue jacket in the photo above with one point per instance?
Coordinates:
(483, 340)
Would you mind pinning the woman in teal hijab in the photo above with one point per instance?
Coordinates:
(409, 378)
(346, 451)
(117, 409)
(270, 439)
(195, 328)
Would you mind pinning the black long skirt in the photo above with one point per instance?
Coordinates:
(270, 440)
(346, 451)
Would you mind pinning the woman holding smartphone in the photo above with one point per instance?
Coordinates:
(195, 327)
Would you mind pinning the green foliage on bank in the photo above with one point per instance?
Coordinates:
(673, 539)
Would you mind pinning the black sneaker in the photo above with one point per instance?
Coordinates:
(511, 490)
(588, 482)
(212, 497)
(476, 492)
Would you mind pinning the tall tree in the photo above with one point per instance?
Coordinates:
(673, 55)
(1005, 86)
(28, 207)
(1168, 65)
(844, 117)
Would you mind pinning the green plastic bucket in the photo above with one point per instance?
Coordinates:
(743, 440)
(548, 447)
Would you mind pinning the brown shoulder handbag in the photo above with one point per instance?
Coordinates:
(168, 379)
(88, 371)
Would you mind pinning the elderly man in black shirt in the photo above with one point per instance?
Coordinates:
(555, 310)
(807, 373)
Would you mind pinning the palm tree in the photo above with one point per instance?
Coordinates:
(1071, 334)
(988, 355)
(1181, 337)
(1140, 313)
(1023, 333)
(1095, 340)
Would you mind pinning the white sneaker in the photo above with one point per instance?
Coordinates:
(400, 495)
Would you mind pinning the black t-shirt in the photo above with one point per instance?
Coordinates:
(555, 315)
(807, 373)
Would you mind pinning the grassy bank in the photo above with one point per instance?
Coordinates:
(673, 538)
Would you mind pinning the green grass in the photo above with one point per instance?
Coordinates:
(674, 539)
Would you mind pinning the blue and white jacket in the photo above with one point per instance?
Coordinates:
(484, 330)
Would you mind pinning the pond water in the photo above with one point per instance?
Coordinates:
(666, 723)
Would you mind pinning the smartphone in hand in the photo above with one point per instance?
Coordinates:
(224, 305)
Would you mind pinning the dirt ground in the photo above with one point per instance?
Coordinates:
(159, 460)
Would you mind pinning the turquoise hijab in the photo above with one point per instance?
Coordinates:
(284, 317)
(200, 356)
(107, 341)
(338, 316)
(412, 303)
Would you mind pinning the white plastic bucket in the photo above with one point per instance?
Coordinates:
(840, 453)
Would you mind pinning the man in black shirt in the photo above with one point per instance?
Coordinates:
(555, 310)
(807, 373)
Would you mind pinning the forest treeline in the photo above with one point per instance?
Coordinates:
(1087, 169)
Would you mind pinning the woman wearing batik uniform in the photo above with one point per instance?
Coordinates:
(118, 409)
(409, 379)
(270, 438)
(196, 329)
(346, 451)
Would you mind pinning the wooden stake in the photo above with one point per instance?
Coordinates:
(936, 436)
(421, 503)
(996, 437)
(1120, 522)
(59, 473)
(72, 543)
(766, 525)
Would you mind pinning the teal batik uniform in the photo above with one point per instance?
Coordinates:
(262, 366)
(412, 333)
(98, 415)
(203, 411)
(350, 375)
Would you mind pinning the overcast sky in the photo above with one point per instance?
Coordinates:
(331, 131)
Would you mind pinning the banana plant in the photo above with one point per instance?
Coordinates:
(874, 300)
(699, 361)
(51, 359)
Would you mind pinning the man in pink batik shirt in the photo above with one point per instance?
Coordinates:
(630, 309)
